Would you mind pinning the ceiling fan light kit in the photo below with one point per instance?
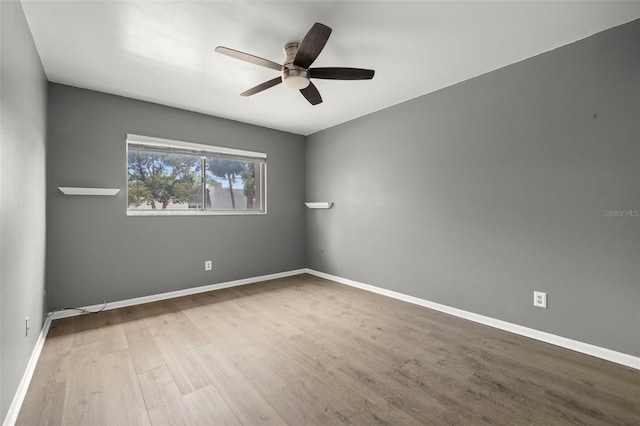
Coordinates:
(296, 73)
(295, 79)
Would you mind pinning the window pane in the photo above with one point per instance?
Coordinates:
(233, 185)
(168, 177)
(166, 181)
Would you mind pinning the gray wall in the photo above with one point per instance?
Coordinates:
(479, 194)
(96, 252)
(22, 197)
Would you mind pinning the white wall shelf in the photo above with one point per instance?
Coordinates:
(319, 204)
(66, 190)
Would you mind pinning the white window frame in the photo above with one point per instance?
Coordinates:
(202, 149)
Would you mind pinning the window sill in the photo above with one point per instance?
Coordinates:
(194, 213)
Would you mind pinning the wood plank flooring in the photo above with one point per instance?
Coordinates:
(306, 351)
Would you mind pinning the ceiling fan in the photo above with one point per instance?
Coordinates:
(296, 72)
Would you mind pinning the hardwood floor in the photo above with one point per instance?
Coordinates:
(306, 351)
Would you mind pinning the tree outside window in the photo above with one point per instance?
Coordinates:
(169, 180)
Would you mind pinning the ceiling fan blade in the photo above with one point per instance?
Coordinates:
(311, 45)
(263, 86)
(311, 93)
(248, 58)
(341, 73)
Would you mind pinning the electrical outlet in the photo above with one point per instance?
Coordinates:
(208, 265)
(540, 299)
(26, 327)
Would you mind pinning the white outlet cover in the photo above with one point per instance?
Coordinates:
(540, 299)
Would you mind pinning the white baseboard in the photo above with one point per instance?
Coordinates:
(585, 348)
(21, 392)
(173, 294)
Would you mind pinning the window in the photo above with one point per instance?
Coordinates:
(168, 177)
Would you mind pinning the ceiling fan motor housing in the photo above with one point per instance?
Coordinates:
(293, 76)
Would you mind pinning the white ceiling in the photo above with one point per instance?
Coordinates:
(163, 51)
